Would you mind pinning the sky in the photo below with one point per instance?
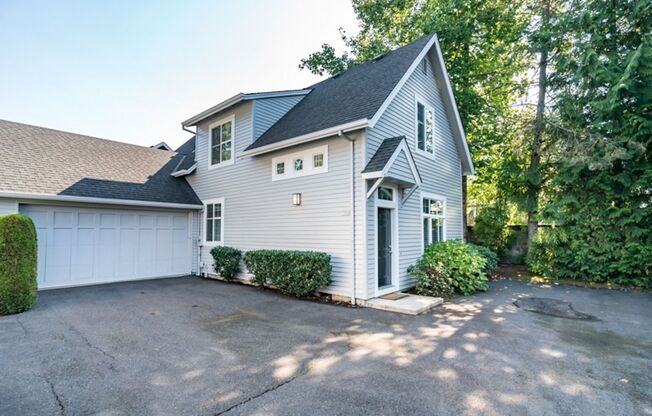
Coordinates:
(132, 71)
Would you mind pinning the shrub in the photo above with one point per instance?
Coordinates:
(17, 264)
(461, 262)
(490, 228)
(291, 272)
(432, 279)
(490, 257)
(226, 261)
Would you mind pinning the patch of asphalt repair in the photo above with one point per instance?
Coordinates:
(552, 307)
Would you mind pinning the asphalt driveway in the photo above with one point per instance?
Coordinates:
(192, 346)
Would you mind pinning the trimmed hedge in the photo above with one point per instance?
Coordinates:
(452, 263)
(18, 255)
(226, 261)
(298, 273)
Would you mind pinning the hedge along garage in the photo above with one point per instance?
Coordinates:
(79, 246)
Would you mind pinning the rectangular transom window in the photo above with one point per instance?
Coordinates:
(425, 128)
(303, 163)
(433, 218)
(221, 142)
(386, 194)
(213, 221)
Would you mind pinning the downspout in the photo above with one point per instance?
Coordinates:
(352, 210)
(200, 267)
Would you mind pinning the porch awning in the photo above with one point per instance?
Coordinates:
(393, 163)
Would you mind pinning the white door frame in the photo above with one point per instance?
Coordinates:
(393, 205)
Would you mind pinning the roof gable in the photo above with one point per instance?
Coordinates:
(356, 94)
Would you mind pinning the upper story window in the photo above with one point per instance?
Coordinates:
(213, 221)
(306, 162)
(221, 134)
(425, 128)
(386, 194)
(433, 218)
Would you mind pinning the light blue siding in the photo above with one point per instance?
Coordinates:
(401, 170)
(268, 111)
(8, 206)
(441, 175)
(258, 212)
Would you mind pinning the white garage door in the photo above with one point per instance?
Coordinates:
(78, 246)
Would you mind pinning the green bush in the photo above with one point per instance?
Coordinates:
(432, 279)
(462, 263)
(490, 227)
(226, 261)
(17, 263)
(291, 272)
(540, 256)
(491, 258)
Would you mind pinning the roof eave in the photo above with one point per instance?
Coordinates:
(192, 121)
(320, 134)
(94, 200)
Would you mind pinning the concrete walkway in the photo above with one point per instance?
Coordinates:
(189, 346)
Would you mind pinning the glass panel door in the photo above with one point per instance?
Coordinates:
(384, 247)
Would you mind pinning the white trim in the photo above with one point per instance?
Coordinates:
(428, 195)
(162, 146)
(331, 131)
(93, 200)
(393, 205)
(184, 172)
(308, 169)
(403, 80)
(194, 120)
(458, 120)
(203, 225)
(374, 186)
(426, 107)
(212, 126)
(402, 147)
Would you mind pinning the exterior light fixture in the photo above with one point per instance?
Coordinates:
(296, 199)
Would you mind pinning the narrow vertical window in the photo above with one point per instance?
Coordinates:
(425, 128)
(318, 160)
(298, 165)
(433, 221)
(213, 224)
(280, 168)
(221, 143)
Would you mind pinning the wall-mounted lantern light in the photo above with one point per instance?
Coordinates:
(296, 199)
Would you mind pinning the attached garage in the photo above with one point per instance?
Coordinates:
(78, 246)
(104, 211)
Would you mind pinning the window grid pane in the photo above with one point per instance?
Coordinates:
(298, 164)
(318, 160)
(280, 168)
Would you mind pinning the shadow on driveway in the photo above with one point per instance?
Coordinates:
(193, 346)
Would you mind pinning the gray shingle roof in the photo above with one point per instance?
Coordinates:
(352, 95)
(383, 154)
(187, 155)
(45, 161)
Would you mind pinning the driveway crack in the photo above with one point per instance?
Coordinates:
(93, 346)
(57, 398)
(261, 394)
(19, 322)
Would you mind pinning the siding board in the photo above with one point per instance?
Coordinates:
(440, 175)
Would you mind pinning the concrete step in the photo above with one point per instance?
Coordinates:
(407, 303)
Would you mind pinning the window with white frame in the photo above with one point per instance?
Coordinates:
(425, 128)
(386, 194)
(433, 218)
(221, 142)
(306, 162)
(214, 221)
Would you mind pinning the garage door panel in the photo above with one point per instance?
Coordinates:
(82, 245)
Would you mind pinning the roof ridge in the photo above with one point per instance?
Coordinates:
(82, 135)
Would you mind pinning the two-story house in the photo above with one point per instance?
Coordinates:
(366, 166)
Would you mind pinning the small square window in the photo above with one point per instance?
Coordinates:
(318, 160)
(386, 194)
(298, 165)
(280, 168)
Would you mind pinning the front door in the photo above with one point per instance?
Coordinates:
(384, 247)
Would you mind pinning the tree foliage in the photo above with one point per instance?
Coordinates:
(579, 157)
